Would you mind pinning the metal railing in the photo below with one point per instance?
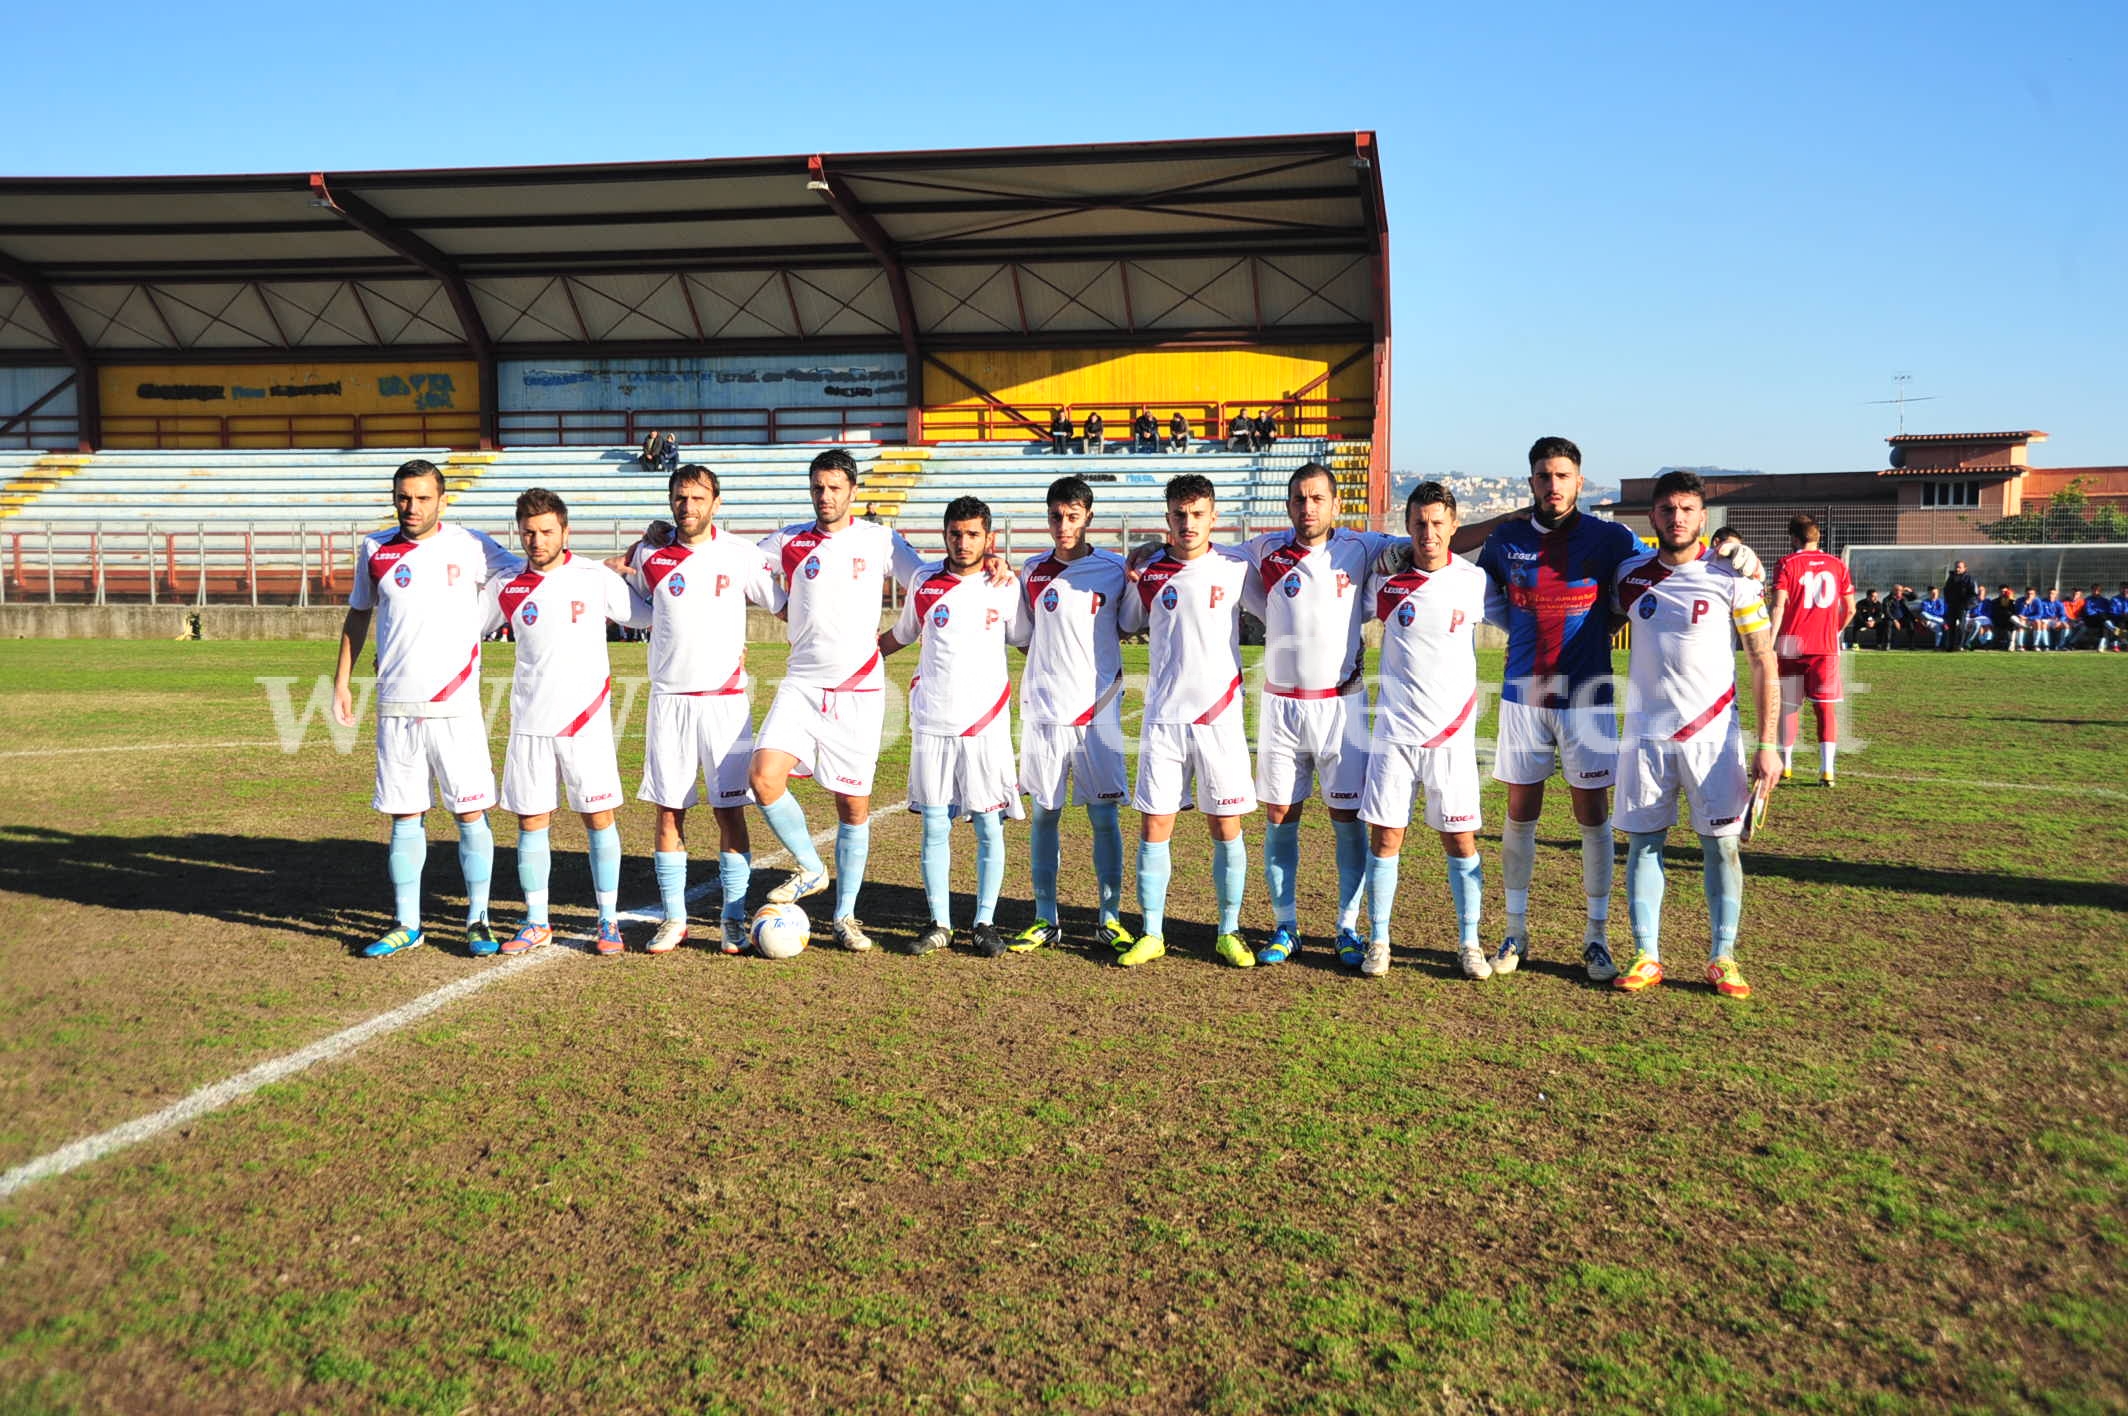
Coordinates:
(699, 426)
(1208, 421)
(42, 432)
(290, 430)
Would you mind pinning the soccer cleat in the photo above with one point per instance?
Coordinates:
(850, 934)
(1830, 780)
(735, 939)
(392, 943)
(1039, 935)
(797, 887)
(671, 932)
(1230, 948)
(1596, 958)
(988, 942)
(480, 939)
(1283, 945)
(1788, 774)
(1643, 973)
(1509, 956)
(609, 939)
(932, 940)
(1376, 961)
(1118, 937)
(1727, 978)
(528, 936)
(1351, 949)
(1475, 964)
(1151, 947)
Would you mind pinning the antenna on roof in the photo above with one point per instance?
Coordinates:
(1899, 397)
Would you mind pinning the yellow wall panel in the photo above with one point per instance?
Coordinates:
(290, 404)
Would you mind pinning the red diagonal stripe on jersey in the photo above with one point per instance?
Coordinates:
(463, 674)
(1277, 563)
(662, 562)
(1039, 575)
(1638, 582)
(1108, 696)
(798, 548)
(849, 685)
(1705, 718)
(584, 717)
(990, 717)
(1455, 727)
(1156, 575)
(1396, 589)
(1221, 706)
(933, 590)
(388, 554)
(515, 593)
(734, 684)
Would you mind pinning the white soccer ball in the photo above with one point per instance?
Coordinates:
(780, 931)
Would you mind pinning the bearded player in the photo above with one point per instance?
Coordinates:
(1813, 600)
(422, 581)
(1682, 729)
(561, 717)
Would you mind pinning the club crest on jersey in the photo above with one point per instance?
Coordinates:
(1049, 599)
(530, 613)
(940, 615)
(1292, 586)
(403, 575)
(1406, 614)
(1647, 607)
(1168, 598)
(812, 567)
(676, 583)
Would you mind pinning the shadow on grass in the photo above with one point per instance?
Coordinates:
(1908, 879)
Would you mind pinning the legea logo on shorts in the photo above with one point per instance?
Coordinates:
(1049, 599)
(677, 583)
(403, 575)
(849, 781)
(1168, 597)
(1647, 607)
(1292, 586)
(1226, 801)
(812, 567)
(469, 796)
(940, 615)
(1586, 776)
(1723, 821)
(1406, 614)
(1456, 820)
(530, 613)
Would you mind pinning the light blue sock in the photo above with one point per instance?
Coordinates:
(1351, 870)
(1043, 851)
(989, 865)
(1644, 889)
(1281, 859)
(1108, 857)
(1152, 886)
(1381, 893)
(670, 867)
(1230, 868)
(606, 870)
(476, 860)
(1466, 886)
(534, 861)
(1725, 891)
(938, 863)
(409, 852)
(853, 846)
(787, 819)
(735, 872)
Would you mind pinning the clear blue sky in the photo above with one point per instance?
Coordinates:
(1676, 233)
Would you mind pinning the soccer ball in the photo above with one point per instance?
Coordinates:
(780, 931)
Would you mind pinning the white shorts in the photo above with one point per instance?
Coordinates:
(1582, 742)
(1215, 754)
(690, 736)
(834, 734)
(1708, 767)
(1089, 759)
(584, 762)
(454, 750)
(1301, 739)
(969, 774)
(1397, 771)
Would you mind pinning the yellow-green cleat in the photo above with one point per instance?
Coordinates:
(1151, 947)
(1113, 931)
(1234, 951)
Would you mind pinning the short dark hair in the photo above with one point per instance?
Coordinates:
(1307, 470)
(836, 458)
(1676, 480)
(1804, 528)
(538, 501)
(1189, 487)
(1721, 534)
(418, 467)
(1070, 491)
(968, 509)
(1429, 494)
(693, 472)
(1546, 448)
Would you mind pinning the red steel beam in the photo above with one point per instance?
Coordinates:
(88, 405)
(866, 228)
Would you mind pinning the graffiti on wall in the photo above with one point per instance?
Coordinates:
(616, 385)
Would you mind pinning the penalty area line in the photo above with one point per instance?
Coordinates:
(220, 1095)
(133, 747)
(2102, 793)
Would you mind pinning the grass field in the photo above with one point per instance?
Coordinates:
(1895, 1179)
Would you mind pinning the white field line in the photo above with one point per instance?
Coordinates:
(2102, 793)
(233, 1089)
(134, 747)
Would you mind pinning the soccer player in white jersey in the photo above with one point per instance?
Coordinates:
(422, 581)
(1071, 711)
(960, 718)
(1682, 729)
(700, 726)
(561, 715)
(1312, 723)
(1426, 723)
(1189, 601)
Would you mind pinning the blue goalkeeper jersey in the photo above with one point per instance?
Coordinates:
(1552, 591)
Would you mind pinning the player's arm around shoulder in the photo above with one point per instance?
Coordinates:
(626, 605)
(909, 624)
(497, 563)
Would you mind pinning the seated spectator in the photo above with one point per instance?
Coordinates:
(1096, 432)
(1870, 625)
(1145, 433)
(2097, 626)
(1928, 616)
(2005, 625)
(661, 453)
(2032, 617)
(2053, 619)
(1266, 431)
(1178, 433)
(1905, 607)
(1241, 433)
(1060, 432)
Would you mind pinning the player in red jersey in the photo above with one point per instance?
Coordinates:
(1813, 600)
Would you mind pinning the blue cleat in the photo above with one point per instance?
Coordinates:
(480, 940)
(392, 943)
(1351, 949)
(1282, 945)
(609, 937)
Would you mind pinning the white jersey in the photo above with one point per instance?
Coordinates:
(698, 596)
(835, 585)
(1074, 654)
(426, 595)
(1312, 606)
(1193, 610)
(961, 685)
(1682, 674)
(1428, 687)
(559, 622)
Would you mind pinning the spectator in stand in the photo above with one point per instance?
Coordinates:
(1178, 433)
(1060, 433)
(1096, 432)
(661, 453)
(2032, 618)
(1959, 594)
(1929, 616)
(2053, 619)
(2001, 616)
(1870, 623)
(1145, 433)
(1905, 607)
(1241, 433)
(2096, 626)
(1266, 430)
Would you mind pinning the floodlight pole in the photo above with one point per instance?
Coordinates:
(866, 228)
(88, 405)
